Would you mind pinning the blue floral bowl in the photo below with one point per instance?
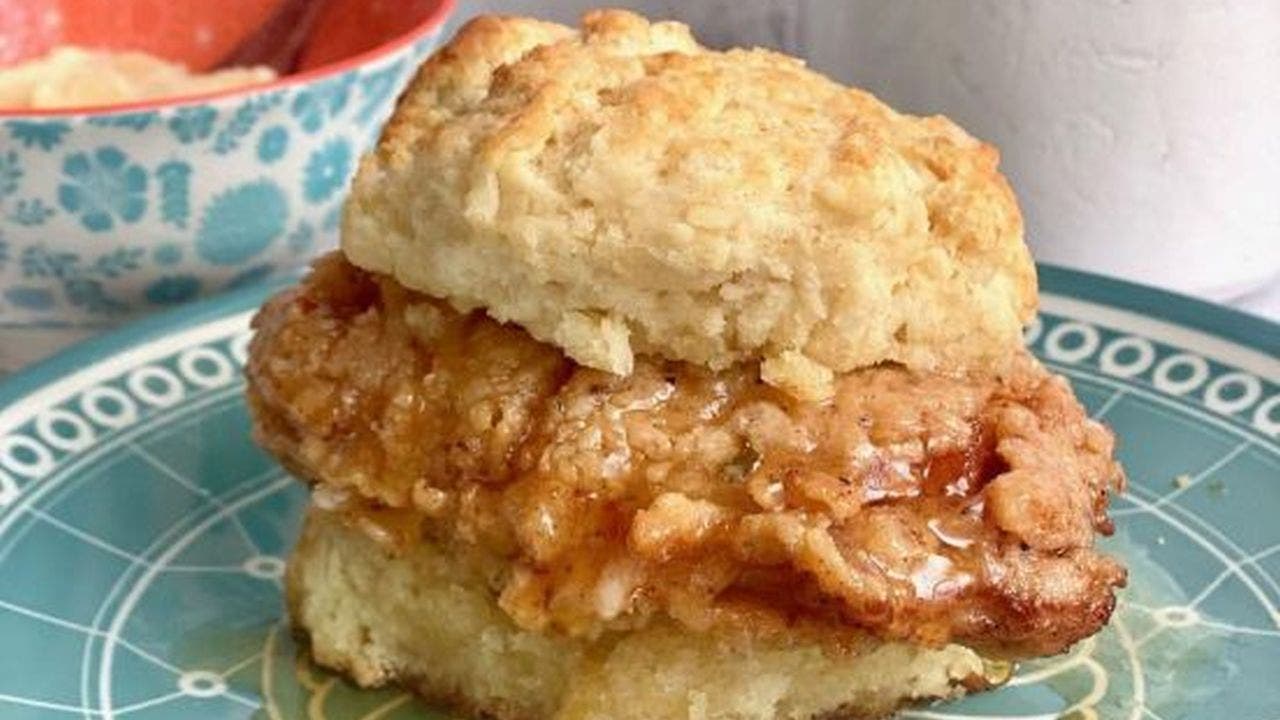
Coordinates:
(108, 213)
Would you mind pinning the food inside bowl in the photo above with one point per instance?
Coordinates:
(71, 76)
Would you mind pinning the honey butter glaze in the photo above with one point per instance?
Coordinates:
(925, 507)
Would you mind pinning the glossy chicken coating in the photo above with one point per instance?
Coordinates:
(909, 506)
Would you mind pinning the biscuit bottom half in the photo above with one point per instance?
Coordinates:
(427, 619)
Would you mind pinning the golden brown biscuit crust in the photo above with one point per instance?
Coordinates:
(619, 189)
(915, 506)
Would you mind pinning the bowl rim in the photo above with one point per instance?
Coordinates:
(434, 21)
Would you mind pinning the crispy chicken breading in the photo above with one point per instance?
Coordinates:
(920, 507)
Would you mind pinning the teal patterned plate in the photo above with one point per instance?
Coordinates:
(142, 534)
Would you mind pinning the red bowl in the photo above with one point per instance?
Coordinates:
(301, 39)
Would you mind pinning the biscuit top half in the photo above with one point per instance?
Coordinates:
(620, 190)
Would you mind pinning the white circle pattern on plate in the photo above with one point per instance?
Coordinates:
(217, 517)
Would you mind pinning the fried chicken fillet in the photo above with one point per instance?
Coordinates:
(917, 508)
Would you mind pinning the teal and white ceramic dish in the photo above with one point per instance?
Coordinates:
(106, 213)
(142, 534)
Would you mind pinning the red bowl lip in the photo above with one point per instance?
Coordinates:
(442, 12)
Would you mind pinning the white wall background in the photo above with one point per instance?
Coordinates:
(1142, 136)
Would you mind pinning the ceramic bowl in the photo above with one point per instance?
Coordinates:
(110, 212)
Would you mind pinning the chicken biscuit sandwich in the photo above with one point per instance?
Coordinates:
(660, 382)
